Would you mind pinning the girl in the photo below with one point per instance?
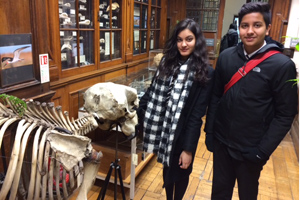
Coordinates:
(174, 104)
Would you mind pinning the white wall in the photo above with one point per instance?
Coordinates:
(232, 8)
(293, 29)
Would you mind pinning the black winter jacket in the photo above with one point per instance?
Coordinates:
(259, 109)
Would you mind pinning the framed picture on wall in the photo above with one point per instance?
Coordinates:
(16, 59)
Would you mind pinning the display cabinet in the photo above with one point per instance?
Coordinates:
(76, 33)
(154, 59)
(92, 34)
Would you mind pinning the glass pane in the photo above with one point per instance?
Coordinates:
(153, 2)
(143, 41)
(151, 40)
(86, 48)
(116, 14)
(136, 16)
(156, 40)
(104, 46)
(152, 19)
(144, 16)
(104, 14)
(145, 1)
(157, 25)
(136, 42)
(211, 3)
(158, 2)
(116, 41)
(85, 14)
(67, 14)
(210, 20)
(67, 42)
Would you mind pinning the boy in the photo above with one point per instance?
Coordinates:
(246, 123)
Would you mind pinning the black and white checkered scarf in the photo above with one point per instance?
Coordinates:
(163, 112)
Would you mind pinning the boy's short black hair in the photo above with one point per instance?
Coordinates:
(251, 7)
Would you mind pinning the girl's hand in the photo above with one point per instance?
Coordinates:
(185, 159)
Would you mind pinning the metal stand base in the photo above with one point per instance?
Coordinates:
(117, 168)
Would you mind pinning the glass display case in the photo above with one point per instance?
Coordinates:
(154, 59)
(110, 29)
(76, 33)
(132, 157)
(146, 36)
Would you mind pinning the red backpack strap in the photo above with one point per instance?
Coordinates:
(249, 66)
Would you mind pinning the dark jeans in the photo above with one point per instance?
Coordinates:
(226, 170)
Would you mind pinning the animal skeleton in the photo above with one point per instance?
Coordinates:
(45, 154)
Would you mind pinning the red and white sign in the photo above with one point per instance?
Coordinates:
(44, 68)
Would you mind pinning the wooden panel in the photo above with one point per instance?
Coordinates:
(74, 104)
(76, 95)
(163, 24)
(60, 98)
(53, 45)
(295, 134)
(176, 12)
(280, 15)
(128, 36)
(112, 75)
(15, 16)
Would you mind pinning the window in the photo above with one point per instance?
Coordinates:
(205, 12)
(76, 33)
(110, 29)
(146, 29)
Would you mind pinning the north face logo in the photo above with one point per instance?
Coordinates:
(256, 69)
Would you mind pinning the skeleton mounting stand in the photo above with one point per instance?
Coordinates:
(117, 168)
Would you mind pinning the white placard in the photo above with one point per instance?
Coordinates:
(63, 56)
(61, 33)
(81, 59)
(72, 12)
(44, 68)
(74, 33)
(112, 42)
(151, 44)
(82, 18)
(60, 10)
(106, 43)
(136, 35)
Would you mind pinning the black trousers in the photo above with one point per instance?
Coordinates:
(175, 190)
(226, 170)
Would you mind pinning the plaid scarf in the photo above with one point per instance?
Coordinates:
(163, 112)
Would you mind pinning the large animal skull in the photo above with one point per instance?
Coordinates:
(114, 104)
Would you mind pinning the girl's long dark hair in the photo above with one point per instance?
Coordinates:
(198, 58)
